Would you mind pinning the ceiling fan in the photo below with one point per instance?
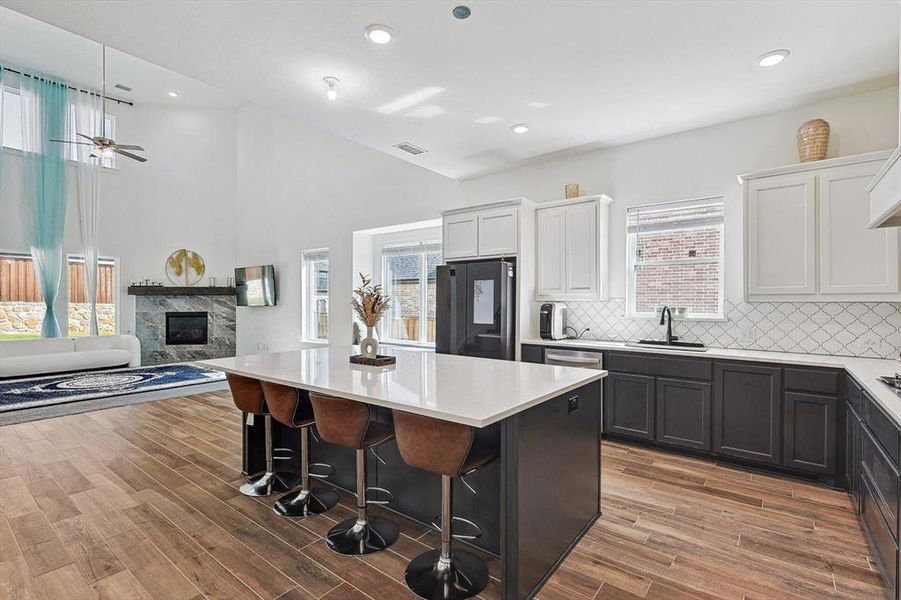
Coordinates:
(105, 147)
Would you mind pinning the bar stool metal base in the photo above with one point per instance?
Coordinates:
(355, 537)
(268, 484)
(430, 576)
(304, 503)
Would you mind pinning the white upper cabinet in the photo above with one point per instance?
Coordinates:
(487, 231)
(806, 235)
(571, 248)
(460, 238)
(781, 213)
(550, 251)
(499, 232)
(853, 259)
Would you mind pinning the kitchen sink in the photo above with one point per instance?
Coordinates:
(674, 345)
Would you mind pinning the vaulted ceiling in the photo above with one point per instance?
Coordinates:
(581, 74)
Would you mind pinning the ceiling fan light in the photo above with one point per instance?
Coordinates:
(107, 152)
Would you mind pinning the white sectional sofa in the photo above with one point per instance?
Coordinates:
(20, 358)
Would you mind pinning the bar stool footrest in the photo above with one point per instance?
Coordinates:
(474, 535)
(330, 470)
(379, 490)
(283, 454)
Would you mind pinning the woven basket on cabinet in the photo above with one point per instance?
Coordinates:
(813, 140)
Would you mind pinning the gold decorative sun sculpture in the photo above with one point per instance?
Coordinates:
(185, 267)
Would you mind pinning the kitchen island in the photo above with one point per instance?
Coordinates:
(532, 505)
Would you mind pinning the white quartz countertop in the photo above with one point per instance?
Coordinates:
(864, 370)
(462, 389)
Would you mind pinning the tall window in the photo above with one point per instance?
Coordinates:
(12, 126)
(79, 314)
(22, 304)
(409, 276)
(675, 258)
(315, 295)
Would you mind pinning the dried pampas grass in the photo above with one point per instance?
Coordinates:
(368, 302)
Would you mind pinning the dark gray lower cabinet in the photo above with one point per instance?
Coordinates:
(810, 432)
(747, 412)
(629, 405)
(683, 413)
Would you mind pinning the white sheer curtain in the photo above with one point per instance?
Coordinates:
(86, 117)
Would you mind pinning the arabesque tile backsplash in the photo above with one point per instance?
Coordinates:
(809, 327)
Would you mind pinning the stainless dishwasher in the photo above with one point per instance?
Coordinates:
(577, 358)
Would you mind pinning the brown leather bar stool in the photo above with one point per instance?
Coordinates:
(451, 450)
(247, 394)
(350, 424)
(287, 407)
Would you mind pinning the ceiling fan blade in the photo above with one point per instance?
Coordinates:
(130, 155)
(71, 142)
(129, 147)
(85, 137)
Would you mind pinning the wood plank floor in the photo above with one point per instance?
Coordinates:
(141, 502)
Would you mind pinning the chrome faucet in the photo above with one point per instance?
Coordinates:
(666, 317)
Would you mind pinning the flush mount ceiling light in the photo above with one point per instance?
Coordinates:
(771, 59)
(379, 34)
(461, 12)
(331, 87)
(519, 128)
(173, 94)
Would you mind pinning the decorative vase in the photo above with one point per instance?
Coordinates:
(813, 140)
(369, 346)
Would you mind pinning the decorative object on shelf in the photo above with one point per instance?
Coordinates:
(813, 140)
(572, 190)
(380, 360)
(369, 305)
(185, 267)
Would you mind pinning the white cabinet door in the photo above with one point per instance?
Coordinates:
(498, 232)
(461, 236)
(853, 259)
(781, 235)
(550, 252)
(582, 250)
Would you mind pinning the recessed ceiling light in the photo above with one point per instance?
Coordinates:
(519, 128)
(379, 34)
(173, 94)
(331, 87)
(771, 59)
(537, 104)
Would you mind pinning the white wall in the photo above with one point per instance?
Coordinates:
(697, 163)
(183, 196)
(299, 187)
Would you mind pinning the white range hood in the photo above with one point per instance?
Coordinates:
(885, 194)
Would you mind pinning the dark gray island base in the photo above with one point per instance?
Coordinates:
(533, 504)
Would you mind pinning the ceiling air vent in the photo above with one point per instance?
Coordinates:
(123, 87)
(409, 148)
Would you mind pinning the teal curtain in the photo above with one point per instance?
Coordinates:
(44, 108)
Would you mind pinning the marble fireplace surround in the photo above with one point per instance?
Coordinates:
(151, 306)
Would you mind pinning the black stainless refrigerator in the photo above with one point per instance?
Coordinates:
(476, 309)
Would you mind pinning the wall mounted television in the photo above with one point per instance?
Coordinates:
(255, 286)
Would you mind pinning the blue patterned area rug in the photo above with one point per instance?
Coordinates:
(72, 387)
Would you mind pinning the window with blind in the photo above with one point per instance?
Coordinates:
(314, 322)
(675, 258)
(409, 278)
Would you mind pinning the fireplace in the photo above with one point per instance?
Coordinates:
(186, 328)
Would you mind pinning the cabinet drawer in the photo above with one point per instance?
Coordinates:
(883, 428)
(853, 394)
(631, 363)
(883, 476)
(812, 380)
(685, 368)
(881, 539)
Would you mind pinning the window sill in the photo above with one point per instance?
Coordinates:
(312, 343)
(17, 152)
